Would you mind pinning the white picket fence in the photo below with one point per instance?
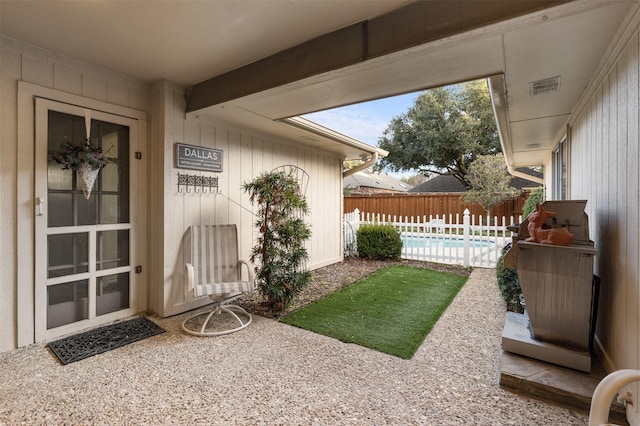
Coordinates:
(463, 240)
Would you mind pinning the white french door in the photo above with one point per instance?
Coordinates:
(85, 254)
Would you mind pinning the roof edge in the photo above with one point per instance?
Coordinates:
(325, 132)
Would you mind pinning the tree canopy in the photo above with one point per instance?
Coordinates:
(490, 182)
(443, 132)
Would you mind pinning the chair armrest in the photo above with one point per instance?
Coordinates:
(249, 271)
(189, 280)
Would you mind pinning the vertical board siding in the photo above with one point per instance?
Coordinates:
(222, 206)
(208, 208)
(67, 79)
(155, 187)
(633, 204)
(620, 201)
(11, 65)
(604, 171)
(23, 63)
(245, 156)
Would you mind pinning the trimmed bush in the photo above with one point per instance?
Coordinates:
(379, 242)
(509, 285)
(280, 253)
(536, 197)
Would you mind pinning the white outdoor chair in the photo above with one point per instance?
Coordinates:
(606, 392)
(214, 270)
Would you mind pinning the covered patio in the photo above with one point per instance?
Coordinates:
(272, 373)
(564, 80)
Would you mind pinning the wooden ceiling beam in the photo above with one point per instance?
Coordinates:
(411, 25)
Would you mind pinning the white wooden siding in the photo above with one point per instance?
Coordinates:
(25, 63)
(604, 169)
(245, 156)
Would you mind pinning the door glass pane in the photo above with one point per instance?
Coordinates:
(58, 178)
(112, 185)
(112, 250)
(63, 129)
(86, 210)
(60, 209)
(110, 178)
(109, 200)
(67, 303)
(110, 208)
(68, 254)
(112, 293)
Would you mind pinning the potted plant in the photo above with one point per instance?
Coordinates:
(85, 159)
(279, 253)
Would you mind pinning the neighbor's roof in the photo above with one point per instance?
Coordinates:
(448, 183)
(441, 183)
(371, 179)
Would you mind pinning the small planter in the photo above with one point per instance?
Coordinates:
(87, 176)
(85, 159)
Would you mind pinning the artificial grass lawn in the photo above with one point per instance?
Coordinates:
(392, 310)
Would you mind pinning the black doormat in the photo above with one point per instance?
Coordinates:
(103, 339)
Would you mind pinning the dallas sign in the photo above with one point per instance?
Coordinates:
(198, 158)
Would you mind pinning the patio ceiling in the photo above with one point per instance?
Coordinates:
(191, 42)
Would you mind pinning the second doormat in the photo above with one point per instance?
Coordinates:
(93, 342)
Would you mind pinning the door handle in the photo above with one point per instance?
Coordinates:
(39, 206)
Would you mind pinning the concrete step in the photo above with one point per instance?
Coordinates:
(558, 385)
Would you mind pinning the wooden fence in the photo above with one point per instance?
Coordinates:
(456, 239)
(432, 204)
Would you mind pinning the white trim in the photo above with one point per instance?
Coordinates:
(626, 31)
(86, 275)
(603, 356)
(87, 228)
(315, 128)
(25, 226)
(633, 417)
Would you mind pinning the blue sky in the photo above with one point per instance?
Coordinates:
(366, 121)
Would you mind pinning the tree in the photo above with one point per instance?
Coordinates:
(350, 164)
(279, 252)
(490, 182)
(414, 180)
(443, 132)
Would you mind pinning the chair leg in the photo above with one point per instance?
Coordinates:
(234, 311)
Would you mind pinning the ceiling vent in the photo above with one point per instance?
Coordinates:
(548, 85)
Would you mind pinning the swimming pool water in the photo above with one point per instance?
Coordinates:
(421, 241)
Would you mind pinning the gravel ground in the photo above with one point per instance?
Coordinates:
(275, 374)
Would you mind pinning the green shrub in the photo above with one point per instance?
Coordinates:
(378, 242)
(536, 197)
(508, 282)
(509, 285)
(280, 253)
